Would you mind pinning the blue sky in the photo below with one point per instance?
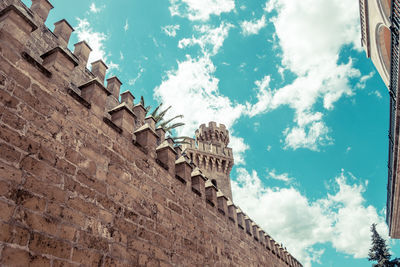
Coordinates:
(307, 111)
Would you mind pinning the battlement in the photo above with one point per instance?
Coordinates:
(206, 147)
(213, 134)
(87, 179)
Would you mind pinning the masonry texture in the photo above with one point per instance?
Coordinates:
(87, 180)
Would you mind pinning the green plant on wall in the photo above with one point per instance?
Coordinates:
(166, 123)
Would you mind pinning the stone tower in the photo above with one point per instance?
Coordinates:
(210, 152)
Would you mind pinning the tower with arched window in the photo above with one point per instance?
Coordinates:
(210, 152)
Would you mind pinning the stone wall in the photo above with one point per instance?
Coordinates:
(86, 180)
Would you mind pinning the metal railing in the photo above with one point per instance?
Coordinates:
(393, 86)
(364, 24)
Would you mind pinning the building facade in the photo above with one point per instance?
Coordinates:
(380, 24)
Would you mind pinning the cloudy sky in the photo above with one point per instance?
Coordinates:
(307, 112)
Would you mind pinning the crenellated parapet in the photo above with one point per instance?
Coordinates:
(209, 157)
(213, 134)
(110, 171)
(47, 52)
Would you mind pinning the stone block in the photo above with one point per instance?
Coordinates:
(15, 25)
(82, 51)
(240, 218)
(86, 257)
(255, 233)
(161, 134)
(6, 210)
(96, 94)
(41, 8)
(124, 118)
(198, 183)
(166, 156)
(114, 85)
(59, 61)
(222, 203)
(63, 30)
(232, 211)
(99, 69)
(146, 137)
(183, 169)
(42, 244)
(127, 98)
(211, 193)
(18, 257)
(140, 113)
(151, 121)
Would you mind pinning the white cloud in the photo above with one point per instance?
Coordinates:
(269, 147)
(319, 78)
(363, 80)
(121, 55)
(155, 42)
(281, 72)
(256, 126)
(192, 90)
(305, 32)
(126, 26)
(263, 97)
(96, 41)
(281, 177)
(376, 93)
(133, 80)
(311, 132)
(210, 39)
(269, 5)
(95, 9)
(348, 149)
(239, 147)
(302, 33)
(170, 30)
(341, 218)
(253, 26)
(200, 10)
(112, 66)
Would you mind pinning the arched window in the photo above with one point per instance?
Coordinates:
(214, 182)
(386, 6)
(384, 43)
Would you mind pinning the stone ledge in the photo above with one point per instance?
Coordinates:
(180, 179)
(63, 52)
(36, 64)
(78, 98)
(209, 202)
(164, 166)
(221, 211)
(194, 190)
(141, 148)
(121, 107)
(112, 125)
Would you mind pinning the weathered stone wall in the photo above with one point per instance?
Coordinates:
(82, 185)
